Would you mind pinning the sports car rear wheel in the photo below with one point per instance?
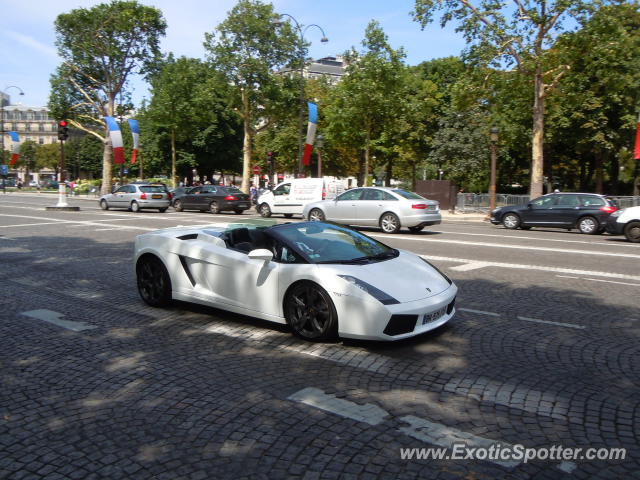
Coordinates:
(154, 283)
(310, 312)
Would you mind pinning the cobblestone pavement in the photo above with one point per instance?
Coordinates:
(533, 357)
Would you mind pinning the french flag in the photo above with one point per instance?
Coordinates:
(15, 147)
(135, 132)
(311, 132)
(636, 151)
(116, 140)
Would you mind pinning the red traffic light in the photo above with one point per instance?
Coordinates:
(62, 123)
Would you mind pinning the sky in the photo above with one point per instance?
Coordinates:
(27, 39)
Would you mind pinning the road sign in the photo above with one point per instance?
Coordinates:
(4, 170)
(126, 171)
(256, 170)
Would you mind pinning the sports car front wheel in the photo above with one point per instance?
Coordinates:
(154, 284)
(310, 312)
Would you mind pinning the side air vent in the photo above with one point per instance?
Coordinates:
(183, 261)
(188, 236)
(399, 324)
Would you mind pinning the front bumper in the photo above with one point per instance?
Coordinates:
(614, 227)
(370, 320)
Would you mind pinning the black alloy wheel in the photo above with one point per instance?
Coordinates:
(154, 283)
(310, 312)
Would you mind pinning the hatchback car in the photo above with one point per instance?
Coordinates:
(138, 196)
(387, 208)
(215, 199)
(588, 212)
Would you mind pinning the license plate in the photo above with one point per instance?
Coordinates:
(433, 316)
(243, 205)
(431, 207)
(156, 196)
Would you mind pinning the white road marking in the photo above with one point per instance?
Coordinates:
(548, 322)
(515, 247)
(566, 276)
(469, 266)
(599, 280)
(82, 222)
(29, 224)
(367, 413)
(54, 318)
(481, 312)
(543, 268)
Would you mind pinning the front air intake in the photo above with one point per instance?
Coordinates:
(399, 324)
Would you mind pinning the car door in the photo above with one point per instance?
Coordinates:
(189, 200)
(282, 198)
(208, 194)
(344, 208)
(539, 211)
(565, 211)
(119, 197)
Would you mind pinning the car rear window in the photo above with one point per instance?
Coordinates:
(409, 195)
(153, 189)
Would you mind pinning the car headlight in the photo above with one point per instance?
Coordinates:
(437, 270)
(376, 293)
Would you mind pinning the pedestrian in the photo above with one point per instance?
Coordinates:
(19, 184)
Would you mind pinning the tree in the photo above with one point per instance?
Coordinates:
(247, 48)
(47, 156)
(521, 35)
(101, 48)
(28, 151)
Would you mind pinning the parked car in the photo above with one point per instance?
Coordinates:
(179, 192)
(588, 212)
(625, 222)
(290, 197)
(138, 196)
(34, 184)
(387, 208)
(323, 280)
(213, 198)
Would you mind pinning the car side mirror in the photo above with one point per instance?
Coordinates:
(261, 254)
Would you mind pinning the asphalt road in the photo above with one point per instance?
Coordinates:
(94, 384)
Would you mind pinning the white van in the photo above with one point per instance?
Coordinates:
(290, 197)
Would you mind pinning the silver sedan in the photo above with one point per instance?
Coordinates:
(387, 208)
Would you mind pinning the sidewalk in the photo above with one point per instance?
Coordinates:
(463, 217)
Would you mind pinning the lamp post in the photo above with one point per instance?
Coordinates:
(301, 48)
(319, 145)
(494, 135)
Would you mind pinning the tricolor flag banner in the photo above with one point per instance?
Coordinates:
(636, 151)
(311, 132)
(15, 147)
(116, 140)
(135, 132)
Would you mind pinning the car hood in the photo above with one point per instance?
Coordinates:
(406, 278)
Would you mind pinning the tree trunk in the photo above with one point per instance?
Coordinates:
(614, 175)
(599, 173)
(107, 166)
(246, 143)
(537, 160)
(389, 173)
(173, 157)
(367, 152)
(413, 176)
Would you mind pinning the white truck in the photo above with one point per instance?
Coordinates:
(625, 221)
(290, 197)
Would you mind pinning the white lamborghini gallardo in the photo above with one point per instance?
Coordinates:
(324, 280)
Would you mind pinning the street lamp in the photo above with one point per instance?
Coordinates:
(494, 135)
(301, 48)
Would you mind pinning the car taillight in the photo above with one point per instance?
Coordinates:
(324, 193)
(608, 209)
(420, 206)
(143, 196)
(230, 197)
(169, 195)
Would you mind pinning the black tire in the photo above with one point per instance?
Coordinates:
(389, 223)
(154, 283)
(177, 205)
(135, 207)
(214, 208)
(238, 211)
(632, 231)
(288, 215)
(104, 205)
(264, 210)
(416, 229)
(588, 225)
(511, 221)
(316, 215)
(310, 312)
(162, 210)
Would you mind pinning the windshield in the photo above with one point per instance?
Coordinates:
(320, 242)
(409, 195)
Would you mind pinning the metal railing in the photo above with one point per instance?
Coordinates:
(479, 202)
(626, 201)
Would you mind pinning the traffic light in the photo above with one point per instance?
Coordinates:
(63, 130)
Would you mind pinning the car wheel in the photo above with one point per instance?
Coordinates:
(288, 215)
(390, 223)
(511, 221)
(154, 283)
(162, 210)
(632, 232)
(135, 207)
(214, 208)
(104, 205)
(588, 225)
(177, 205)
(265, 211)
(238, 211)
(416, 229)
(316, 215)
(310, 312)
